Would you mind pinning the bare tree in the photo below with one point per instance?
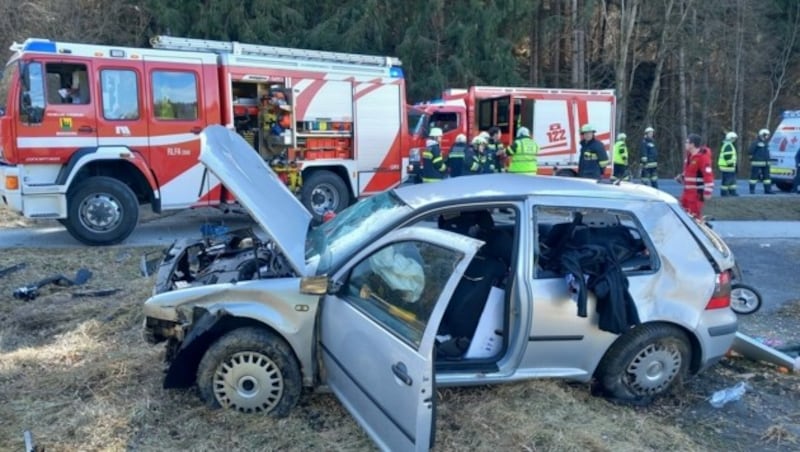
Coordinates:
(628, 13)
(779, 73)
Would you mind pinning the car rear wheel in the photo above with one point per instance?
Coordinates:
(644, 363)
(784, 186)
(250, 370)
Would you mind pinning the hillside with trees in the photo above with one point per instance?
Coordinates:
(679, 65)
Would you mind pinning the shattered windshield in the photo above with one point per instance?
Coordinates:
(5, 87)
(354, 226)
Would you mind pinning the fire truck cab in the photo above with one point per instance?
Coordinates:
(554, 117)
(90, 132)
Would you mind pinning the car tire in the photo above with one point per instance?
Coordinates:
(745, 299)
(324, 190)
(644, 363)
(101, 211)
(250, 370)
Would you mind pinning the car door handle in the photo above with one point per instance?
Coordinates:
(400, 372)
(196, 130)
(85, 129)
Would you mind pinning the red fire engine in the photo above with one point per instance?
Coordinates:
(554, 117)
(90, 132)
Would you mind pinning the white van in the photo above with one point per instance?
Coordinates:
(782, 148)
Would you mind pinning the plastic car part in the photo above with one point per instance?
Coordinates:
(31, 291)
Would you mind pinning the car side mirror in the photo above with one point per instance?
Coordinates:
(314, 285)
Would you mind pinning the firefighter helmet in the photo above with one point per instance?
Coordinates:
(435, 132)
(649, 130)
(461, 138)
(478, 140)
(763, 132)
(621, 136)
(523, 132)
(587, 128)
(731, 136)
(485, 135)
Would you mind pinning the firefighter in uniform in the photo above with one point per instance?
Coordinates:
(620, 158)
(523, 152)
(727, 165)
(593, 156)
(759, 163)
(649, 158)
(697, 177)
(433, 164)
(456, 156)
(494, 148)
(478, 161)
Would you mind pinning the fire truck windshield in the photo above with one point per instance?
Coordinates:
(416, 121)
(5, 87)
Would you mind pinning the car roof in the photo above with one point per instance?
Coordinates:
(504, 186)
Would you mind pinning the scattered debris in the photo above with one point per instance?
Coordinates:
(9, 270)
(95, 293)
(754, 349)
(31, 291)
(732, 394)
(30, 445)
(148, 265)
(123, 256)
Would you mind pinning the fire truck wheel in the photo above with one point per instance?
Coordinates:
(324, 190)
(101, 211)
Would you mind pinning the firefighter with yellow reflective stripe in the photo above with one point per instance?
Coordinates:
(727, 165)
(433, 164)
(523, 152)
(620, 157)
(478, 159)
(593, 156)
(649, 156)
(759, 163)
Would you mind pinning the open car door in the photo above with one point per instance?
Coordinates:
(378, 331)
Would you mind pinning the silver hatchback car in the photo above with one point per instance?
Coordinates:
(473, 280)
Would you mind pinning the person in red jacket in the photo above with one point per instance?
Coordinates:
(697, 177)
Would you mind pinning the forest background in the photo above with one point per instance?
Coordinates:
(681, 66)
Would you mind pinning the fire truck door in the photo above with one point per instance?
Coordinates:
(121, 109)
(496, 111)
(62, 91)
(175, 119)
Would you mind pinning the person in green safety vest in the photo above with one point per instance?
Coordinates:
(727, 165)
(523, 152)
(620, 158)
(593, 156)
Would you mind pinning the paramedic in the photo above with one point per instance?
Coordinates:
(697, 177)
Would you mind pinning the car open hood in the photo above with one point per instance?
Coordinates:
(259, 190)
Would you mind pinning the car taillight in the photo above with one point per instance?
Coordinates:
(721, 298)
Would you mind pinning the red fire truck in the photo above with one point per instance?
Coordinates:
(90, 132)
(554, 117)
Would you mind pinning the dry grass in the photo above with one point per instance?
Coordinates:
(78, 375)
(777, 208)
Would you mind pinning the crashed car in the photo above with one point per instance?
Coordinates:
(472, 280)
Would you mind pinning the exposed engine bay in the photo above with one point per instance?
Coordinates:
(238, 255)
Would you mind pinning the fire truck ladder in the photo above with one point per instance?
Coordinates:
(237, 48)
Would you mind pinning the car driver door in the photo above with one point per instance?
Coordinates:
(379, 329)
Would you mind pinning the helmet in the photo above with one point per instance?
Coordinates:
(461, 138)
(621, 136)
(731, 136)
(649, 130)
(763, 132)
(435, 132)
(587, 128)
(478, 140)
(485, 135)
(523, 132)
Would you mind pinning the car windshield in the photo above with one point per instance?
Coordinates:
(5, 87)
(359, 223)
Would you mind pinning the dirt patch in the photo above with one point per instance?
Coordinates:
(77, 373)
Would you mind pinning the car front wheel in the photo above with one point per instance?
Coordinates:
(645, 363)
(250, 370)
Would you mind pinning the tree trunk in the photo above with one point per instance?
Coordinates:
(536, 45)
(578, 48)
(627, 22)
(661, 55)
(779, 75)
(557, 45)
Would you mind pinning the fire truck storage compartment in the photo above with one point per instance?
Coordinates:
(262, 114)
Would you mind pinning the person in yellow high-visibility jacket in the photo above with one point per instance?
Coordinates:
(727, 165)
(523, 152)
(620, 158)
